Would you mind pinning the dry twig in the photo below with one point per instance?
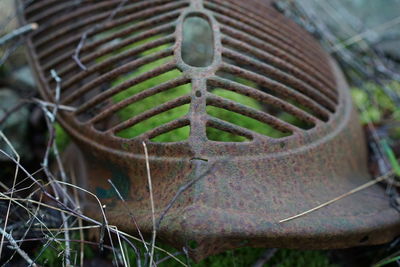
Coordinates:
(12, 188)
(153, 240)
(18, 32)
(17, 248)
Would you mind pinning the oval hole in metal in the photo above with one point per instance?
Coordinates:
(198, 42)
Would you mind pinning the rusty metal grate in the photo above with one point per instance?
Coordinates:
(259, 79)
(277, 68)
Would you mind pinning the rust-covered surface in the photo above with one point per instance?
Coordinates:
(239, 191)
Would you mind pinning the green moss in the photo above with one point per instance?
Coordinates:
(238, 119)
(151, 102)
(163, 97)
(62, 138)
(379, 108)
(375, 105)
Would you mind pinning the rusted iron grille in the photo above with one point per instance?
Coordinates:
(236, 191)
(248, 43)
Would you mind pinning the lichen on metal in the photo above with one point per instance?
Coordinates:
(269, 126)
